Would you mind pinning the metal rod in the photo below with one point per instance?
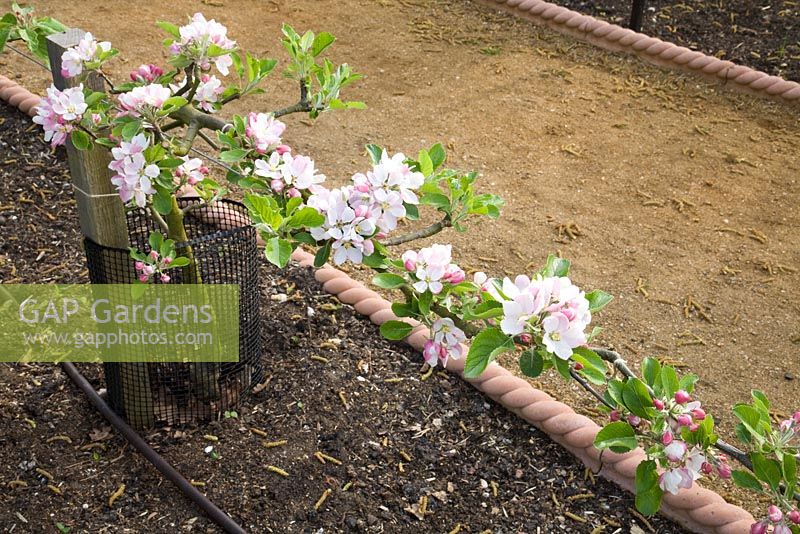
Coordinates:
(637, 15)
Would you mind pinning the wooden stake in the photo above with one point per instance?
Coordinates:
(102, 219)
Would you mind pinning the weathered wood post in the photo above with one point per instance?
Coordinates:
(102, 219)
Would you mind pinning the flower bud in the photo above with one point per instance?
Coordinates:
(526, 339)
(699, 414)
(658, 403)
(796, 417)
(204, 170)
(684, 420)
(192, 180)
(167, 260)
(165, 277)
(782, 529)
(707, 468)
(786, 425)
(277, 185)
(667, 437)
(634, 420)
(148, 270)
(681, 397)
(97, 118)
(154, 254)
(794, 517)
(144, 278)
(283, 149)
(293, 193)
(614, 415)
(758, 528)
(139, 265)
(724, 471)
(693, 427)
(774, 513)
(578, 366)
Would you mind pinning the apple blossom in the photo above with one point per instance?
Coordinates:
(445, 342)
(146, 73)
(144, 99)
(264, 131)
(87, 50)
(675, 451)
(681, 397)
(192, 170)
(197, 37)
(58, 113)
(672, 480)
(208, 92)
(794, 517)
(759, 528)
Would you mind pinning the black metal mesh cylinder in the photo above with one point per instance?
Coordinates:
(223, 243)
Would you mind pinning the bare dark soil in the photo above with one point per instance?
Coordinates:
(393, 438)
(761, 34)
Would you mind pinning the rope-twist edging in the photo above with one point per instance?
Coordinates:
(698, 509)
(618, 39)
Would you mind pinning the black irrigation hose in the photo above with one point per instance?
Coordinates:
(217, 515)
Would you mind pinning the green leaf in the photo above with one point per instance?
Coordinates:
(531, 363)
(648, 492)
(306, 218)
(636, 398)
(156, 240)
(766, 470)
(437, 154)
(169, 28)
(180, 261)
(175, 102)
(80, 140)
(412, 212)
(322, 41)
(322, 254)
(424, 300)
(669, 381)
(594, 369)
(750, 418)
(618, 436)
(425, 163)
(403, 309)
(745, 480)
(651, 370)
(555, 266)
(437, 200)
(486, 346)
(598, 300)
(789, 469)
(131, 129)
(162, 201)
(395, 330)
(375, 153)
(233, 156)
(278, 251)
(688, 381)
(388, 280)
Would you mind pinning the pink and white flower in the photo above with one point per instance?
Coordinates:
(672, 480)
(134, 178)
(144, 99)
(264, 131)
(208, 92)
(445, 343)
(146, 73)
(349, 231)
(88, 50)
(192, 170)
(196, 38)
(58, 113)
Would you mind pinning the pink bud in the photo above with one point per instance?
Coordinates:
(724, 471)
(139, 265)
(362, 187)
(693, 427)
(794, 517)
(203, 170)
(148, 270)
(283, 149)
(179, 172)
(578, 366)
(144, 278)
(634, 420)
(293, 193)
(277, 185)
(684, 420)
(527, 339)
(758, 528)
(167, 260)
(658, 404)
(381, 235)
(786, 425)
(774, 513)
(782, 529)
(410, 265)
(614, 415)
(154, 254)
(97, 118)
(192, 180)
(666, 437)
(796, 417)
(204, 78)
(361, 211)
(165, 278)
(707, 468)
(681, 397)
(699, 414)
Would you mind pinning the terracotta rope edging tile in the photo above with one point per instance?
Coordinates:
(698, 509)
(617, 39)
